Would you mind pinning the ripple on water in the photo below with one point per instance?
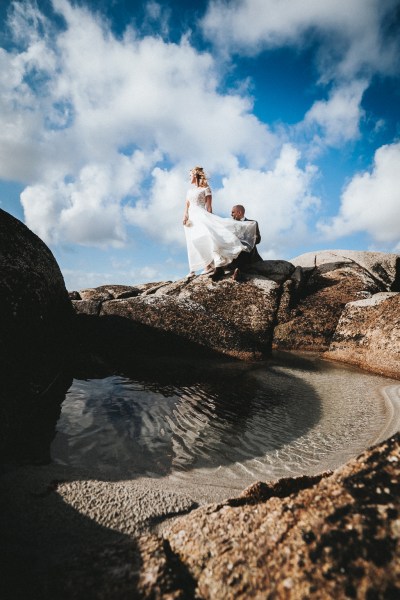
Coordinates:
(237, 425)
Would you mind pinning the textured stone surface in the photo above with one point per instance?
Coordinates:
(330, 536)
(310, 312)
(381, 266)
(276, 270)
(368, 334)
(274, 305)
(197, 316)
(338, 538)
(109, 292)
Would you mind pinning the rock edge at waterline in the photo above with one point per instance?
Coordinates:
(342, 304)
(333, 536)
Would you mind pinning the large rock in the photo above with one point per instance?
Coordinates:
(381, 266)
(313, 300)
(368, 334)
(195, 316)
(275, 305)
(329, 536)
(338, 538)
(35, 320)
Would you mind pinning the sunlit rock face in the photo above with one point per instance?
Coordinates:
(383, 267)
(35, 319)
(368, 334)
(327, 281)
(330, 536)
(198, 315)
(335, 536)
(277, 304)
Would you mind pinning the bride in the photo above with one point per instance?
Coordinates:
(212, 241)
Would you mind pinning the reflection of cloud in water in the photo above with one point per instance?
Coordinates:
(261, 421)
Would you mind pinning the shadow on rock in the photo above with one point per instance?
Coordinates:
(28, 427)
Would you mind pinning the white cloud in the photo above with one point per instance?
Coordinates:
(161, 213)
(335, 121)
(371, 201)
(353, 39)
(87, 209)
(79, 106)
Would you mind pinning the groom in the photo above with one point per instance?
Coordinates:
(245, 259)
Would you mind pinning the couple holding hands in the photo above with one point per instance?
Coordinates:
(215, 243)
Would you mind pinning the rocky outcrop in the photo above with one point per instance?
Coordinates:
(276, 304)
(336, 538)
(335, 535)
(328, 280)
(382, 267)
(196, 315)
(368, 334)
(35, 322)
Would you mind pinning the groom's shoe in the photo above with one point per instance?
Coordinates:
(238, 275)
(218, 274)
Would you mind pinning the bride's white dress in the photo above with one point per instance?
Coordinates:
(212, 239)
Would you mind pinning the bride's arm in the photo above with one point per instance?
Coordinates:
(186, 213)
(208, 204)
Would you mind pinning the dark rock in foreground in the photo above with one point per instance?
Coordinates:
(35, 325)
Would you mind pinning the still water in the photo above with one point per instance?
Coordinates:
(225, 424)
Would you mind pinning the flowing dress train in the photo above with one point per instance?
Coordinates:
(212, 239)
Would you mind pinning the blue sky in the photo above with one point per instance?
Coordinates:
(291, 106)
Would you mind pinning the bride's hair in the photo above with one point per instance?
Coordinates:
(201, 177)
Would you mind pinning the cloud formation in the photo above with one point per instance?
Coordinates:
(102, 130)
(353, 41)
(335, 121)
(356, 34)
(278, 197)
(371, 201)
(86, 117)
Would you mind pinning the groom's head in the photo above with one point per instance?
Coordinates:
(237, 212)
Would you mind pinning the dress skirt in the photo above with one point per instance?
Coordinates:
(216, 240)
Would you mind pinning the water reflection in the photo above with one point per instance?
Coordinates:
(255, 421)
(206, 416)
